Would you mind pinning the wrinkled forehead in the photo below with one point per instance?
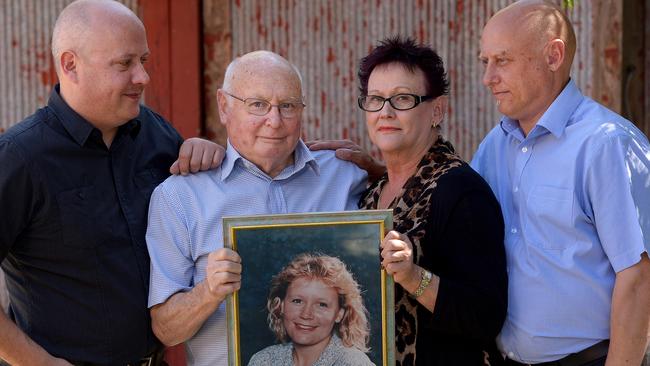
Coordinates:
(502, 38)
(258, 80)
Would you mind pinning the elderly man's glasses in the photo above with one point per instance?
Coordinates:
(401, 102)
(261, 107)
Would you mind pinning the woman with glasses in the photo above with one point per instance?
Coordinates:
(446, 253)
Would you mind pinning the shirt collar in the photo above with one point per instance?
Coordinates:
(302, 157)
(77, 126)
(556, 117)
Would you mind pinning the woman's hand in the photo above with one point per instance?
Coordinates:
(397, 259)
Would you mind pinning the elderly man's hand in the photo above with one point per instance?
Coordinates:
(223, 273)
(197, 154)
(348, 150)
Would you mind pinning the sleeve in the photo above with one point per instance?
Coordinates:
(473, 292)
(359, 185)
(618, 194)
(168, 242)
(18, 196)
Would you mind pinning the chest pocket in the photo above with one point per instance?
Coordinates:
(76, 210)
(550, 217)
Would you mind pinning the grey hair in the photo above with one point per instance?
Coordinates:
(230, 73)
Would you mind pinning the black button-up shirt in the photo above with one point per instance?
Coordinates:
(72, 230)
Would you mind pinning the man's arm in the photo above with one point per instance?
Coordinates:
(349, 151)
(630, 315)
(197, 154)
(180, 317)
(18, 349)
(18, 195)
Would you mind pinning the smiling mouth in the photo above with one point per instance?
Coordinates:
(304, 327)
(133, 95)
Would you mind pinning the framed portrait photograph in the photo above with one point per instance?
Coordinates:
(312, 287)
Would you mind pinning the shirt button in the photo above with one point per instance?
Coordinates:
(513, 230)
(516, 189)
(524, 149)
(511, 354)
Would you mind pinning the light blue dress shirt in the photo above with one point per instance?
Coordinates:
(575, 195)
(185, 222)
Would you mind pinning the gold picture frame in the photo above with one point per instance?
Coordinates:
(266, 243)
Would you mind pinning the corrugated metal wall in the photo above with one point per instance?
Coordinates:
(26, 70)
(325, 39)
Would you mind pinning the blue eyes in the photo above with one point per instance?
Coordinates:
(299, 301)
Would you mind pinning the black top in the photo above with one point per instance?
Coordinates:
(454, 221)
(72, 232)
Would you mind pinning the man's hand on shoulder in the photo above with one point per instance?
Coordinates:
(349, 151)
(197, 154)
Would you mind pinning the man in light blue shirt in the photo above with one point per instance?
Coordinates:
(267, 170)
(573, 181)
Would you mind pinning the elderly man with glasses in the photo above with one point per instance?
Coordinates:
(267, 170)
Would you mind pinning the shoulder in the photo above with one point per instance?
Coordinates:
(24, 140)
(187, 185)
(327, 159)
(157, 124)
(350, 356)
(462, 183)
(26, 130)
(495, 136)
(461, 179)
(338, 354)
(598, 122)
(276, 353)
(487, 150)
(596, 128)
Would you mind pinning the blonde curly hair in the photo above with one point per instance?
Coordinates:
(353, 329)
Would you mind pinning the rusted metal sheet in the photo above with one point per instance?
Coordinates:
(217, 53)
(646, 70)
(26, 69)
(607, 48)
(326, 39)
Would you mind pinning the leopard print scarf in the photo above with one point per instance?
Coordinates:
(410, 216)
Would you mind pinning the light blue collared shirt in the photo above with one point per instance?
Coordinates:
(575, 195)
(185, 222)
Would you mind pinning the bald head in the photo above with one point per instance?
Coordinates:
(82, 21)
(537, 22)
(527, 49)
(260, 65)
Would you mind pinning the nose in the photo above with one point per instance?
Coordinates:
(489, 75)
(140, 75)
(273, 118)
(306, 312)
(387, 111)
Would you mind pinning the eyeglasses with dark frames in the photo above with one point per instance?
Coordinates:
(401, 102)
(261, 107)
